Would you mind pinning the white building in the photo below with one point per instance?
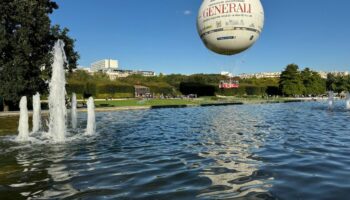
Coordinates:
(125, 73)
(335, 73)
(111, 68)
(323, 74)
(105, 65)
(261, 75)
(224, 73)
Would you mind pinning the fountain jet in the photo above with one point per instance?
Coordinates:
(57, 103)
(330, 99)
(36, 113)
(74, 111)
(57, 106)
(91, 123)
(23, 127)
(348, 101)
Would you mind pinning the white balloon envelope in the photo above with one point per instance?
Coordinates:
(229, 27)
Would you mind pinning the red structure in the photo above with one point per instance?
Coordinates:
(228, 84)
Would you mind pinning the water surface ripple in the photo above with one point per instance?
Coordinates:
(276, 151)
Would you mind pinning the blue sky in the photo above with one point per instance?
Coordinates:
(161, 35)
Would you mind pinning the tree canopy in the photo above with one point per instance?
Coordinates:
(26, 41)
(313, 83)
(338, 83)
(291, 82)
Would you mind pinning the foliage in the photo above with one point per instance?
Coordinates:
(313, 83)
(200, 89)
(260, 81)
(90, 90)
(71, 55)
(76, 87)
(1, 104)
(256, 91)
(114, 96)
(112, 88)
(26, 40)
(338, 83)
(273, 91)
(291, 82)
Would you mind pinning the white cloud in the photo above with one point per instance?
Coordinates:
(187, 12)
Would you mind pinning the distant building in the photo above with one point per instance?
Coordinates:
(142, 91)
(278, 74)
(111, 68)
(104, 65)
(114, 74)
(223, 73)
(261, 75)
(335, 73)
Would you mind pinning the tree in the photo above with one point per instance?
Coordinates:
(341, 84)
(291, 82)
(347, 78)
(331, 82)
(72, 56)
(313, 83)
(26, 40)
(338, 83)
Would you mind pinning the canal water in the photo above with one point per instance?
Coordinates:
(270, 151)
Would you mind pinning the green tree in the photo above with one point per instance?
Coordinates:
(338, 83)
(313, 83)
(347, 78)
(69, 46)
(291, 83)
(331, 82)
(341, 84)
(26, 40)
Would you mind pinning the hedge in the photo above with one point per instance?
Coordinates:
(200, 89)
(115, 96)
(232, 92)
(88, 89)
(1, 104)
(250, 90)
(166, 90)
(114, 88)
(77, 88)
(255, 90)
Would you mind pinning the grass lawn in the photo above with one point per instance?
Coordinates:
(150, 102)
(169, 102)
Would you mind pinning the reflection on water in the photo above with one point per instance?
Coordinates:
(234, 173)
(278, 151)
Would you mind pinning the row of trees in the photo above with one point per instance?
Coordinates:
(294, 82)
(338, 83)
(100, 86)
(26, 41)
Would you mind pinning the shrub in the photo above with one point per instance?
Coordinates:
(115, 96)
(273, 90)
(77, 88)
(90, 90)
(255, 90)
(1, 104)
(200, 89)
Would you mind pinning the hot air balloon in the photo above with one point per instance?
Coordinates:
(231, 26)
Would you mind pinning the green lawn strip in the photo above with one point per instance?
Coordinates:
(145, 102)
(198, 101)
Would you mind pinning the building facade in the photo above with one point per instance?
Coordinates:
(104, 65)
(114, 74)
(261, 75)
(142, 91)
(278, 74)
